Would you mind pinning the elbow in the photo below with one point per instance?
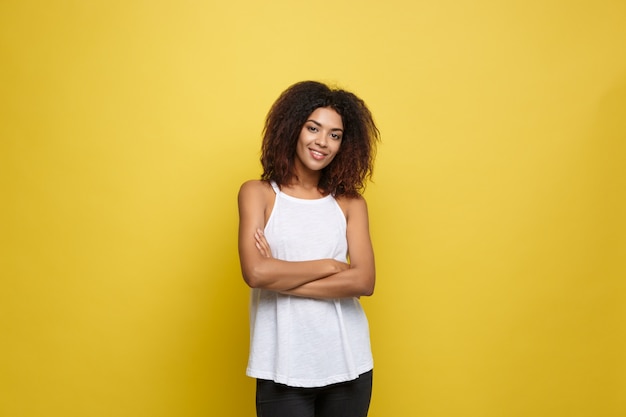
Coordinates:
(368, 290)
(253, 277)
(363, 282)
(368, 286)
(250, 281)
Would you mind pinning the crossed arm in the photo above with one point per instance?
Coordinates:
(321, 278)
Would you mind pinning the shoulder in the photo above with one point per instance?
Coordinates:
(255, 190)
(352, 205)
(255, 186)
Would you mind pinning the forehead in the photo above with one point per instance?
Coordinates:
(327, 117)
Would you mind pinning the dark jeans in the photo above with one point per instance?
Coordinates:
(346, 399)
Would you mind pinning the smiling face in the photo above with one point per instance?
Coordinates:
(319, 140)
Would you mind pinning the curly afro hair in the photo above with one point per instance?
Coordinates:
(347, 174)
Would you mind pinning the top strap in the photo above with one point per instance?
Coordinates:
(275, 187)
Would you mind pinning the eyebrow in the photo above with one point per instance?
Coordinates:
(320, 125)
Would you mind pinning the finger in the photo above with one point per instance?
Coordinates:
(260, 237)
(266, 249)
(260, 240)
(262, 243)
(261, 249)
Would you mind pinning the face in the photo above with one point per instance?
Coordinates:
(320, 139)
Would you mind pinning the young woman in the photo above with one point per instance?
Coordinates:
(305, 251)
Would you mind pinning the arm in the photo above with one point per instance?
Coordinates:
(259, 269)
(359, 279)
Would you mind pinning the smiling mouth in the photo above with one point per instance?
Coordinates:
(316, 154)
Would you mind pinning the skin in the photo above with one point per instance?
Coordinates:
(318, 143)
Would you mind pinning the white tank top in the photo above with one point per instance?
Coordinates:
(305, 342)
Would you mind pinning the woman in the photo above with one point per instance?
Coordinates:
(305, 251)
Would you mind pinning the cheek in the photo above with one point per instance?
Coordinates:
(336, 152)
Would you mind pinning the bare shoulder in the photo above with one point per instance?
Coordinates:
(256, 196)
(254, 188)
(352, 205)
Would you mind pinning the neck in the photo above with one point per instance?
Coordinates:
(305, 184)
(305, 178)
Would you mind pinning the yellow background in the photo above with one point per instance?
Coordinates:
(498, 208)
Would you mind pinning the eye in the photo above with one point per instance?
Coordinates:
(312, 128)
(335, 136)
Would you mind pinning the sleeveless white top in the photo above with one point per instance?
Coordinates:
(306, 342)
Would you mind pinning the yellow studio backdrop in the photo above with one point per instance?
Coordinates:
(497, 213)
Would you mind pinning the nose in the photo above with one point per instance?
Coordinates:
(320, 140)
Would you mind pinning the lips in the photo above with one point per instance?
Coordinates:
(317, 154)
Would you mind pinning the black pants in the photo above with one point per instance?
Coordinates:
(346, 399)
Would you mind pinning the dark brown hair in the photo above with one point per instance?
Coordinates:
(347, 174)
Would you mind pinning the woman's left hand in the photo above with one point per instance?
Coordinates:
(261, 244)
